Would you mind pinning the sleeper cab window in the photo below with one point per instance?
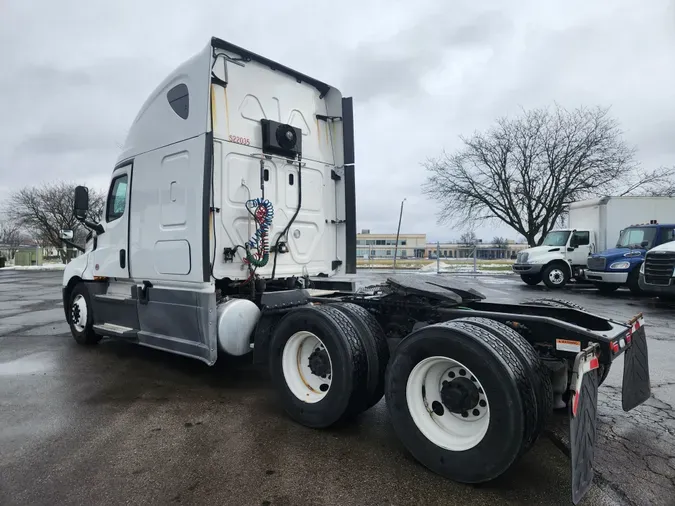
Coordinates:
(179, 100)
(117, 198)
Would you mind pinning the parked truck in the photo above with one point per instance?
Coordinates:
(230, 229)
(618, 266)
(594, 226)
(657, 272)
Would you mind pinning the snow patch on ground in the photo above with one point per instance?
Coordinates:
(45, 267)
(467, 268)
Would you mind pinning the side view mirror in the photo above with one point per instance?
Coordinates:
(644, 244)
(66, 234)
(574, 242)
(81, 202)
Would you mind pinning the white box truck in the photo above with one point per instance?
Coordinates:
(594, 226)
(233, 203)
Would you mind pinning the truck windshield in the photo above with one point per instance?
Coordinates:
(557, 238)
(634, 237)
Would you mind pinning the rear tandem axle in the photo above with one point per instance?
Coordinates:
(459, 374)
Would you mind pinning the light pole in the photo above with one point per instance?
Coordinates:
(398, 231)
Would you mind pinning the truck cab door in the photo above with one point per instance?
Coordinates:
(579, 247)
(111, 257)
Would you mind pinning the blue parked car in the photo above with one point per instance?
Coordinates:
(610, 269)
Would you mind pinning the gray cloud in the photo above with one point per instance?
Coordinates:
(75, 73)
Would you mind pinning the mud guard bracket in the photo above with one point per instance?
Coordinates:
(583, 420)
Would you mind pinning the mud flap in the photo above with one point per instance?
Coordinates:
(583, 417)
(636, 387)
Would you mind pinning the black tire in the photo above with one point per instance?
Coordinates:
(84, 335)
(606, 288)
(539, 374)
(633, 281)
(512, 408)
(347, 394)
(375, 343)
(532, 279)
(603, 372)
(552, 302)
(555, 275)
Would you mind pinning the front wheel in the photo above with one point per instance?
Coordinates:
(531, 279)
(633, 281)
(81, 316)
(606, 288)
(555, 276)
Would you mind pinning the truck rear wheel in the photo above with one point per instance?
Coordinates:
(555, 275)
(536, 370)
(375, 343)
(531, 279)
(553, 303)
(81, 316)
(318, 365)
(454, 396)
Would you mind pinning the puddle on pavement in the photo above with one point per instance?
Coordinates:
(32, 364)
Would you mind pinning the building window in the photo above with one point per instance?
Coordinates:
(388, 253)
(372, 252)
(179, 100)
(380, 242)
(403, 243)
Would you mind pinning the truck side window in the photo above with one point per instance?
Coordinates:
(179, 100)
(117, 198)
(582, 238)
(668, 235)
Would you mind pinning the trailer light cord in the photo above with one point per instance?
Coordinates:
(288, 226)
(263, 215)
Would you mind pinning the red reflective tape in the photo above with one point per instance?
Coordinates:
(575, 404)
(614, 346)
(629, 338)
(594, 363)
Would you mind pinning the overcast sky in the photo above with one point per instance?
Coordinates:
(74, 74)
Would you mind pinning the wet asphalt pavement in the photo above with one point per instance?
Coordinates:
(123, 424)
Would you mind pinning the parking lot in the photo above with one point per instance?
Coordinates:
(123, 424)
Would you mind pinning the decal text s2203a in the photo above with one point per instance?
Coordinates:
(240, 140)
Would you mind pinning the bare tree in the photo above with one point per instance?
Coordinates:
(10, 236)
(660, 188)
(524, 171)
(468, 238)
(500, 242)
(46, 210)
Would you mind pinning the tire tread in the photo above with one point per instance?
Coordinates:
(538, 372)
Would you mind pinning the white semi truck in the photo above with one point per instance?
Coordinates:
(230, 212)
(595, 226)
(657, 272)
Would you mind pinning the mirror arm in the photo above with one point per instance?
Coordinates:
(96, 227)
(73, 245)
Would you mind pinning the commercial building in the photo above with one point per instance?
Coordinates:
(484, 251)
(371, 246)
(383, 245)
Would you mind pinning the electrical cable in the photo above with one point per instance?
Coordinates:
(288, 226)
